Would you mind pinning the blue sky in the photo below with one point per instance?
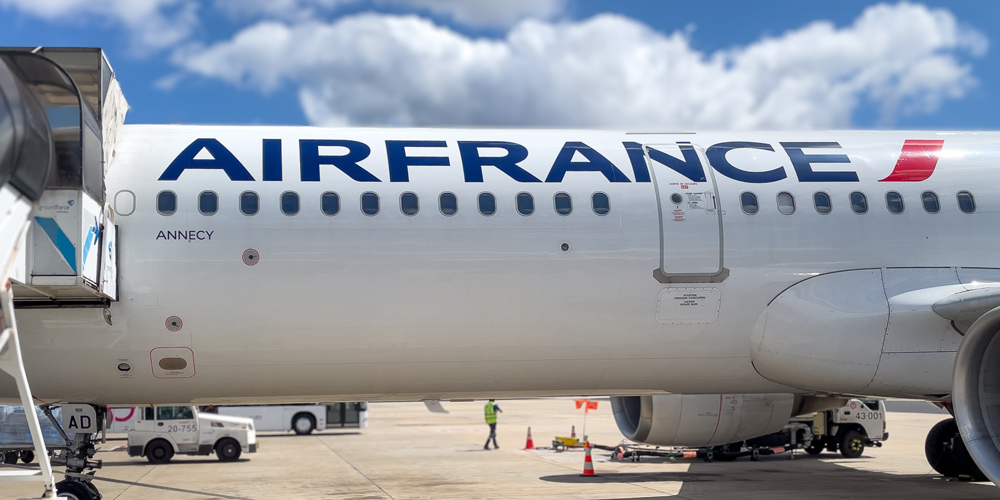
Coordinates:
(537, 63)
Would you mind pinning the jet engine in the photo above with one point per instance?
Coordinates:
(701, 420)
(976, 400)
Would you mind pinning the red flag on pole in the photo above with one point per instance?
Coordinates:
(591, 405)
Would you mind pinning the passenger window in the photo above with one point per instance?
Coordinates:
(822, 202)
(329, 203)
(564, 204)
(966, 202)
(600, 203)
(208, 203)
(931, 204)
(166, 203)
(487, 204)
(448, 203)
(289, 203)
(149, 413)
(786, 203)
(894, 202)
(249, 203)
(174, 413)
(525, 204)
(409, 204)
(859, 203)
(748, 201)
(369, 203)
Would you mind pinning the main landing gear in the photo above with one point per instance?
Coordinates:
(947, 454)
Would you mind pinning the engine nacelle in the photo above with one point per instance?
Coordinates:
(976, 393)
(701, 420)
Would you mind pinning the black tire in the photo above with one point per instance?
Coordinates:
(938, 448)
(947, 454)
(816, 446)
(159, 451)
(852, 443)
(303, 423)
(228, 450)
(10, 457)
(27, 456)
(76, 490)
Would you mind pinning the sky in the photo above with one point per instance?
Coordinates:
(624, 65)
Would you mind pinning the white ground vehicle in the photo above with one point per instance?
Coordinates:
(303, 419)
(859, 423)
(848, 429)
(162, 431)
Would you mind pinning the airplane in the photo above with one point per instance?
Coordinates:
(713, 284)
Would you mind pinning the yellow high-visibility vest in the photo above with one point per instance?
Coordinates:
(491, 413)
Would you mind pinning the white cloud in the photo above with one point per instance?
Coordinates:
(487, 13)
(608, 71)
(477, 13)
(151, 24)
(287, 10)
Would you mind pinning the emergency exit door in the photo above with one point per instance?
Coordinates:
(691, 243)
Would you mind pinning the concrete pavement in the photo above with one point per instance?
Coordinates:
(411, 453)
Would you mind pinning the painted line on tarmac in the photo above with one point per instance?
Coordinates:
(167, 488)
(386, 493)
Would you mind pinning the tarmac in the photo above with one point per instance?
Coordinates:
(407, 452)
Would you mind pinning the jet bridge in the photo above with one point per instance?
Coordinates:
(70, 249)
(60, 114)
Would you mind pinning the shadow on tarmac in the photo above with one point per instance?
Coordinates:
(779, 478)
(142, 462)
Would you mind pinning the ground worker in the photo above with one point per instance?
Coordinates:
(491, 419)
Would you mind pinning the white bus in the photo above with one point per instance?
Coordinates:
(303, 419)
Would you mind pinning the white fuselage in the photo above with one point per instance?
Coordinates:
(429, 306)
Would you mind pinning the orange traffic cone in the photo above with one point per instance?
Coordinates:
(572, 432)
(588, 464)
(530, 445)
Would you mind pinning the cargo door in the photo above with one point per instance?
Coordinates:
(690, 216)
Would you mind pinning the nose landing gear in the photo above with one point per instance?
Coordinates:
(78, 458)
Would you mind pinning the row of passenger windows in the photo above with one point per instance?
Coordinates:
(859, 202)
(409, 203)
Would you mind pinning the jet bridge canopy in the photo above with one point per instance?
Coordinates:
(26, 148)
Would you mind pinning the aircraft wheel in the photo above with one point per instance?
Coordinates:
(77, 490)
(852, 444)
(228, 450)
(947, 454)
(27, 456)
(938, 446)
(10, 457)
(303, 423)
(159, 451)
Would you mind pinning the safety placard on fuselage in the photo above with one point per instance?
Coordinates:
(688, 305)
